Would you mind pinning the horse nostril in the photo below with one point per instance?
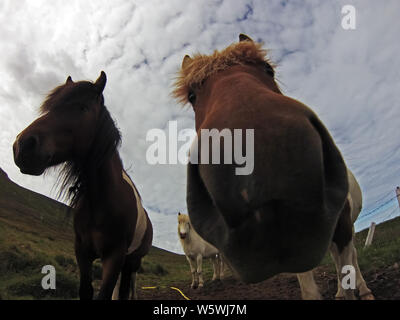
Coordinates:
(29, 144)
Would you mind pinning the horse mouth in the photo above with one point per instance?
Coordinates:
(182, 236)
(32, 171)
(33, 167)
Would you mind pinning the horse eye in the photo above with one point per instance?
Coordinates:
(192, 97)
(268, 69)
(83, 107)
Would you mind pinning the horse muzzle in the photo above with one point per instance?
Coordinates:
(182, 235)
(28, 155)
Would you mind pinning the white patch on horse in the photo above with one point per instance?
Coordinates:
(141, 222)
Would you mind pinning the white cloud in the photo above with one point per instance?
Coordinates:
(350, 78)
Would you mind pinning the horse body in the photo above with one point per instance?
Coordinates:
(283, 216)
(196, 249)
(109, 221)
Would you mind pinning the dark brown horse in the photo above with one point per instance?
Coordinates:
(282, 217)
(76, 129)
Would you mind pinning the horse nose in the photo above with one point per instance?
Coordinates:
(25, 146)
(182, 235)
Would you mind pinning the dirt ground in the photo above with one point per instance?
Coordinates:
(384, 283)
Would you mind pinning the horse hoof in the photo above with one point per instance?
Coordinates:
(194, 286)
(368, 296)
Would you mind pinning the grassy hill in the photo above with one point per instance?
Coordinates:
(36, 231)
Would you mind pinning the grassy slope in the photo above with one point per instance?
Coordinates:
(36, 231)
(384, 251)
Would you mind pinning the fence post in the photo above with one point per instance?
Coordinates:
(370, 235)
(398, 195)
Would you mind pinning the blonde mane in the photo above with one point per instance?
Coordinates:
(202, 66)
(182, 218)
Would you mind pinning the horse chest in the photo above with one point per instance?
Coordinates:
(99, 234)
(192, 249)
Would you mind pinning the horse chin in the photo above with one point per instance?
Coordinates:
(34, 165)
(32, 171)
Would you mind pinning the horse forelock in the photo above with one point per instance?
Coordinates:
(183, 218)
(202, 67)
(65, 93)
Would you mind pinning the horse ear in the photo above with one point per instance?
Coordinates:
(101, 82)
(69, 80)
(243, 37)
(186, 60)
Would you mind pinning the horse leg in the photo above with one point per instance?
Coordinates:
(112, 266)
(221, 266)
(364, 292)
(124, 283)
(134, 295)
(342, 248)
(115, 295)
(215, 263)
(336, 258)
(308, 287)
(85, 262)
(135, 265)
(121, 290)
(200, 270)
(192, 263)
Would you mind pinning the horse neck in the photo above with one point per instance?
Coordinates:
(105, 177)
(95, 173)
(191, 236)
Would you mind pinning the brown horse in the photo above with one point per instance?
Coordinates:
(75, 128)
(283, 216)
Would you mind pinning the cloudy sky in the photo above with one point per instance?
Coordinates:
(350, 78)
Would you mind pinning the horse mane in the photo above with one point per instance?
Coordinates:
(202, 66)
(78, 178)
(183, 218)
(64, 93)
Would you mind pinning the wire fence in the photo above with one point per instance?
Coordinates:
(385, 208)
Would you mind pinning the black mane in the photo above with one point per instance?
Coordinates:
(79, 178)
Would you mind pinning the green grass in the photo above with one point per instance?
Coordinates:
(384, 250)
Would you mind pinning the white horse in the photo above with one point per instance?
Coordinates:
(342, 250)
(196, 249)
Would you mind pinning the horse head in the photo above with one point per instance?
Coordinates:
(66, 128)
(183, 225)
